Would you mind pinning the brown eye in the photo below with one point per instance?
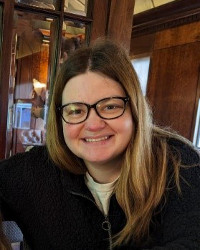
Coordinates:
(75, 112)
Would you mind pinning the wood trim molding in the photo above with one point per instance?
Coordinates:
(166, 16)
(52, 13)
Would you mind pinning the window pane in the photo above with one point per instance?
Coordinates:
(196, 136)
(46, 4)
(76, 6)
(141, 66)
(73, 38)
(29, 87)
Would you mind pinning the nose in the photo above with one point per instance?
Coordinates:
(94, 122)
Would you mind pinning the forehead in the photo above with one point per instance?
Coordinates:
(90, 87)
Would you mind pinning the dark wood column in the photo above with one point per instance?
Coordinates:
(113, 18)
(99, 16)
(5, 71)
(120, 21)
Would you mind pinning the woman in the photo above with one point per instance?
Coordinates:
(109, 178)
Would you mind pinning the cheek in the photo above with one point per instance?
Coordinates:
(124, 127)
(128, 128)
(70, 132)
(127, 123)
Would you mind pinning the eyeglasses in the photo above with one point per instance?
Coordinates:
(107, 108)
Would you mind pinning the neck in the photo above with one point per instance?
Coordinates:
(104, 173)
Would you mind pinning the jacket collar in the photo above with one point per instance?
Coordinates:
(75, 183)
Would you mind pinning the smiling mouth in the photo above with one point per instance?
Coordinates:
(97, 139)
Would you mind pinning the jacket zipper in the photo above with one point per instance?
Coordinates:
(105, 224)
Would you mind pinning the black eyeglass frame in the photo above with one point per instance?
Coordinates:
(94, 106)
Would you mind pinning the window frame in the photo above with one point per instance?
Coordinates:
(8, 11)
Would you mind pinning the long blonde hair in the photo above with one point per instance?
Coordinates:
(143, 179)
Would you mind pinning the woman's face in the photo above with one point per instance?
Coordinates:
(96, 140)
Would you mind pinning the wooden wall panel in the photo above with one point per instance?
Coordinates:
(173, 86)
(177, 36)
(142, 45)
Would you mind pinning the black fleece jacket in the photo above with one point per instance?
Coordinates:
(56, 211)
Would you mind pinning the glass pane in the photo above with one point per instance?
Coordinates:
(196, 136)
(76, 7)
(141, 66)
(46, 4)
(29, 82)
(73, 38)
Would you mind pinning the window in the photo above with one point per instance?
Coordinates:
(29, 82)
(43, 33)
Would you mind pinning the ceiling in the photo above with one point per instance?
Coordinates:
(143, 5)
(140, 5)
(78, 6)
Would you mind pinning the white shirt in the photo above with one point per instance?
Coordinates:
(100, 192)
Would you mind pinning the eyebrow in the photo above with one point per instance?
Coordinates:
(109, 97)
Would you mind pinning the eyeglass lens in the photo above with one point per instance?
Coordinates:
(108, 109)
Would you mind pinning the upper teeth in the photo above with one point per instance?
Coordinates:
(98, 139)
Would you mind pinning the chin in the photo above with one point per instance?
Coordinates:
(101, 160)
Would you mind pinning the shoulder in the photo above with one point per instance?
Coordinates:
(23, 177)
(180, 212)
(26, 172)
(184, 150)
(188, 158)
(35, 154)
(23, 164)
